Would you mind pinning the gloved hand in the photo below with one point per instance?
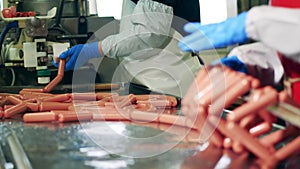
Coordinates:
(79, 55)
(217, 35)
(233, 62)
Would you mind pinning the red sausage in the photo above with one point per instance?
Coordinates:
(236, 133)
(57, 98)
(58, 78)
(32, 90)
(109, 117)
(144, 116)
(84, 96)
(53, 84)
(268, 97)
(279, 135)
(14, 100)
(46, 106)
(292, 148)
(19, 108)
(261, 129)
(39, 117)
(33, 107)
(71, 117)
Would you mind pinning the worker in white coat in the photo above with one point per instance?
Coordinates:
(276, 30)
(147, 49)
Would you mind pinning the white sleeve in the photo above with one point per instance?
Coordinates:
(148, 27)
(262, 62)
(276, 27)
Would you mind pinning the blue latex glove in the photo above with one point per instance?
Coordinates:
(233, 62)
(79, 55)
(219, 35)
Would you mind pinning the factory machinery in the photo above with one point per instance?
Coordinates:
(45, 126)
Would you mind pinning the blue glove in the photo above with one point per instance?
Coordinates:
(233, 62)
(79, 55)
(219, 35)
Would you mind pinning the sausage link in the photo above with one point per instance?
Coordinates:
(53, 84)
(33, 107)
(109, 117)
(292, 148)
(46, 106)
(39, 117)
(268, 97)
(144, 116)
(261, 129)
(84, 96)
(31, 90)
(19, 108)
(236, 133)
(72, 117)
(57, 98)
(14, 100)
(279, 135)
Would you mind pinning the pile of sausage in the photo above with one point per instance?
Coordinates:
(247, 128)
(39, 105)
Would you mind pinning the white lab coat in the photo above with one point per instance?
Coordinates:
(278, 30)
(147, 49)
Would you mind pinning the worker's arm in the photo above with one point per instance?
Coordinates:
(276, 27)
(149, 28)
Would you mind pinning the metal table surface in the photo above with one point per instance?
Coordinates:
(88, 145)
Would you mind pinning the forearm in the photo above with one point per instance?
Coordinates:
(276, 27)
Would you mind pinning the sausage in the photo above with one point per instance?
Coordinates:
(58, 78)
(236, 133)
(240, 88)
(1, 113)
(145, 107)
(39, 117)
(102, 95)
(248, 120)
(84, 96)
(156, 103)
(227, 143)
(72, 117)
(172, 119)
(219, 86)
(109, 117)
(261, 129)
(57, 98)
(279, 135)
(31, 90)
(33, 107)
(268, 97)
(57, 112)
(8, 106)
(129, 100)
(14, 100)
(292, 148)
(46, 106)
(255, 83)
(53, 84)
(109, 104)
(61, 67)
(19, 108)
(144, 116)
(237, 147)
